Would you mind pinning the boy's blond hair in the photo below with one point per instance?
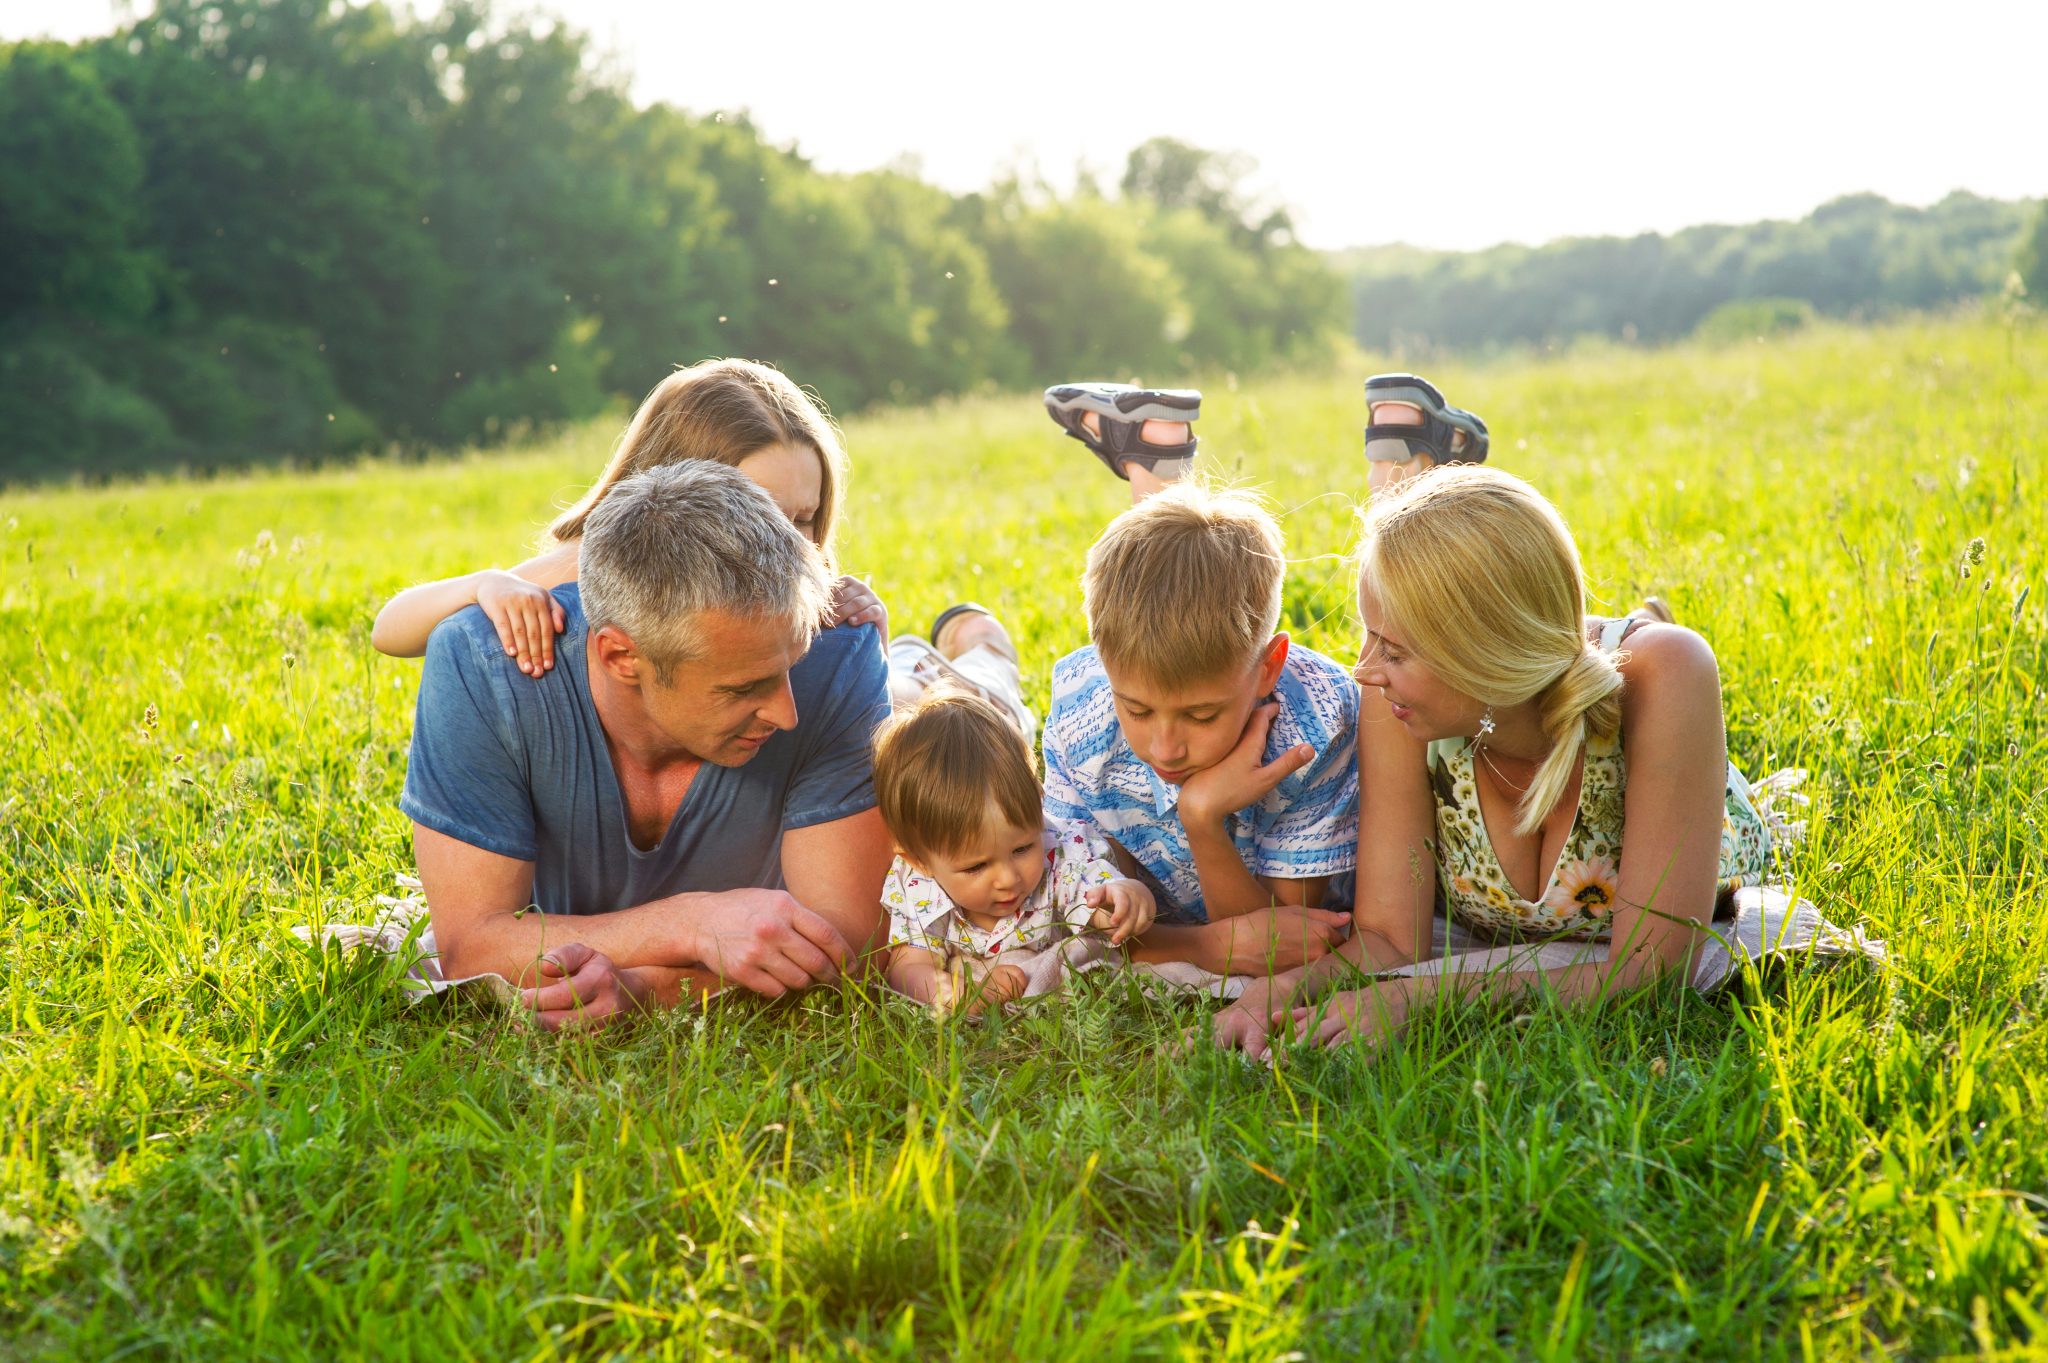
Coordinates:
(943, 764)
(1185, 586)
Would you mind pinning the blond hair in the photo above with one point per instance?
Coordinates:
(721, 411)
(1480, 577)
(1185, 586)
(944, 764)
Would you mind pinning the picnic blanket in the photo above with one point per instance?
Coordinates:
(1769, 923)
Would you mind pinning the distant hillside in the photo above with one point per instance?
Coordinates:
(1859, 255)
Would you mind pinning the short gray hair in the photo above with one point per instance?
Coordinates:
(668, 544)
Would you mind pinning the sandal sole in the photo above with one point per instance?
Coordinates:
(1136, 405)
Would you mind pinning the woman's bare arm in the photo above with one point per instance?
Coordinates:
(1677, 756)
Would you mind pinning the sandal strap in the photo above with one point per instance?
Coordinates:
(1124, 441)
(1119, 444)
(1432, 433)
(1436, 434)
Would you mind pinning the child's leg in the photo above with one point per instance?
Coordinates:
(1143, 435)
(1445, 434)
(978, 653)
(968, 626)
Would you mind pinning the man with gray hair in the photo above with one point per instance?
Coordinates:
(655, 797)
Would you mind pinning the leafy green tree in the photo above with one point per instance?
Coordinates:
(275, 197)
(70, 173)
(257, 227)
(955, 321)
(1243, 308)
(1086, 298)
(1856, 255)
(1174, 174)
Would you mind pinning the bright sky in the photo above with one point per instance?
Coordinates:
(1454, 123)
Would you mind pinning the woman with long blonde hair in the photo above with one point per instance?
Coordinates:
(1539, 779)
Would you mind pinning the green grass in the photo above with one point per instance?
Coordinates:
(220, 1143)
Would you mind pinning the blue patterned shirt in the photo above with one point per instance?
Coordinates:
(1306, 827)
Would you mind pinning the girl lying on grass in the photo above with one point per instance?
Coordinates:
(733, 412)
(749, 416)
(981, 873)
(1539, 778)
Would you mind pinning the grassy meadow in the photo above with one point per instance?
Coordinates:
(217, 1143)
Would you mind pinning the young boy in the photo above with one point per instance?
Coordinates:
(1218, 759)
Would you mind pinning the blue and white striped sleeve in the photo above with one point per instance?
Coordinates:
(1315, 832)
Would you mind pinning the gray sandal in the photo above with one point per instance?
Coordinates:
(1121, 412)
(1435, 436)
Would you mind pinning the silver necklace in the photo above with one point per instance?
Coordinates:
(1499, 776)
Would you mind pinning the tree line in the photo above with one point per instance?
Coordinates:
(248, 228)
(1861, 255)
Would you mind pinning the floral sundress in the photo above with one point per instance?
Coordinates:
(1580, 897)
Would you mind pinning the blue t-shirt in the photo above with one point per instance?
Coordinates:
(518, 765)
(1305, 828)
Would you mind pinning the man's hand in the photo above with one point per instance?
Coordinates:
(764, 941)
(1244, 777)
(580, 990)
(1125, 907)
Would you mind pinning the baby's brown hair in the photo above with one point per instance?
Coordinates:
(943, 763)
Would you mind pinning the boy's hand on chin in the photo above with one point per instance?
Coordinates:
(1244, 777)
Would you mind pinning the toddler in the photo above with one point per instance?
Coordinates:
(980, 871)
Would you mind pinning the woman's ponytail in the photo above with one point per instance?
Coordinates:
(1584, 702)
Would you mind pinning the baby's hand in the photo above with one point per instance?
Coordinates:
(527, 618)
(855, 603)
(1124, 907)
(1002, 984)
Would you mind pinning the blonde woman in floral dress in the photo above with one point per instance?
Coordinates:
(1540, 777)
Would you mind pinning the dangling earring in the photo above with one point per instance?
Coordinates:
(1486, 724)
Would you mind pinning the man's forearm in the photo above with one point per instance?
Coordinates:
(655, 934)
